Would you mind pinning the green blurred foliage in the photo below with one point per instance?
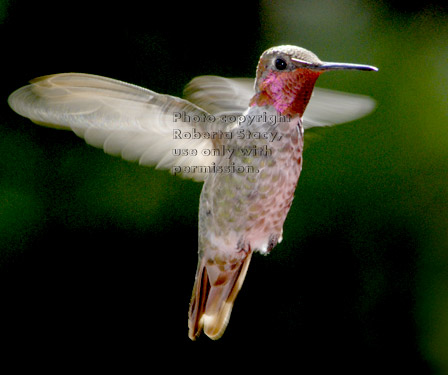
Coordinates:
(89, 242)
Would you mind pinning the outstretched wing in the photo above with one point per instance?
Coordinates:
(220, 96)
(223, 96)
(123, 119)
(329, 107)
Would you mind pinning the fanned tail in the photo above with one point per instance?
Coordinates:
(213, 297)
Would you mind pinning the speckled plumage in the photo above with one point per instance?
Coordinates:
(251, 206)
(244, 212)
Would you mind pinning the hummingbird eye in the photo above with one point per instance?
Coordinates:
(280, 64)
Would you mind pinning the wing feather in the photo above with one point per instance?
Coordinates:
(219, 95)
(123, 119)
(329, 107)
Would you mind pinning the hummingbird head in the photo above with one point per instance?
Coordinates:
(286, 76)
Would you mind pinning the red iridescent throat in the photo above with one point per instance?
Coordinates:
(289, 92)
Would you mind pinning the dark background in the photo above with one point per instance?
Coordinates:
(97, 255)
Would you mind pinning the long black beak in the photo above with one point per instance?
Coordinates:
(332, 66)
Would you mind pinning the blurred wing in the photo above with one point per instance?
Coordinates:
(123, 119)
(219, 95)
(329, 107)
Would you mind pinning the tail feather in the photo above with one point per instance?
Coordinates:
(198, 300)
(212, 302)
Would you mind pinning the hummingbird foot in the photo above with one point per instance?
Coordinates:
(273, 240)
(243, 246)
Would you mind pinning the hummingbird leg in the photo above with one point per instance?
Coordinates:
(273, 240)
(242, 245)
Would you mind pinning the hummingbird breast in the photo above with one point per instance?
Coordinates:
(244, 203)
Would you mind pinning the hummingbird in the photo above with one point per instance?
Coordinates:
(243, 138)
